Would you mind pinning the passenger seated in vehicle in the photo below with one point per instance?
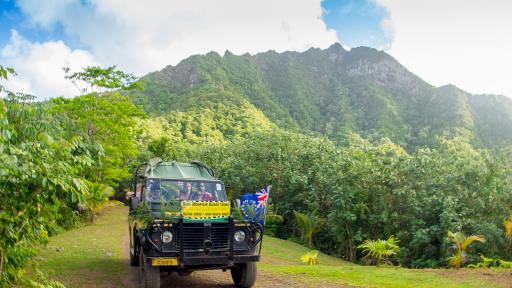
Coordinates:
(185, 193)
(201, 194)
(154, 192)
(169, 194)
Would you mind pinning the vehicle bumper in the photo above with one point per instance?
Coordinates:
(207, 262)
(218, 260)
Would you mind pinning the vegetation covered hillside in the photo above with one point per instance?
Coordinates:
(352, 139)
(330, 92)
(353, 143)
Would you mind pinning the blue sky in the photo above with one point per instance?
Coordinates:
(357, 22)
(12, 17)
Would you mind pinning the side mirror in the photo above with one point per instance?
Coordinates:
(134, 203)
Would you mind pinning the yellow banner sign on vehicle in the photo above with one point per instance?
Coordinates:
(205, 209)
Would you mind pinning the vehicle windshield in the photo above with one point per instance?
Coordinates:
(158, 190)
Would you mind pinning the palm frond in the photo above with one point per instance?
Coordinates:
(379, 250)
(306, 225)
(457, 238)
(461, 242)
(470, 239)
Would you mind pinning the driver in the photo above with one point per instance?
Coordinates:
(201, 194)
(154, 192)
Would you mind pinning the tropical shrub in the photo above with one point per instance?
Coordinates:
(507, 225)
(98, 195)
(491, 262)
(460, 243)
(40, 177)
(310, 257)
(505, 264)
(56, 157)
(486, 263)
(380, 251)
(306, 225)
(273, 221)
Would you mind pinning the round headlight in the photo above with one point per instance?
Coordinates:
(167, 237)
(239, 236)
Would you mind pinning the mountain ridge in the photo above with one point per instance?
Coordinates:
(331, 91)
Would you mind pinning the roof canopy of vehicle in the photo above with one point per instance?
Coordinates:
(194, 170)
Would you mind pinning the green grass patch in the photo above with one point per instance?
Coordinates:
(283, 257)
(91, 254)
(95, 256)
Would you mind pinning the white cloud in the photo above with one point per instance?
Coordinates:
(466, 43)
(39, 66)
(143, 36)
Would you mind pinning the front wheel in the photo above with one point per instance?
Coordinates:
(134, 259)
(149, 275)
(244, 274)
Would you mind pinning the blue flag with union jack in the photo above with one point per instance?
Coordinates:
(253, 205)
(263, 196)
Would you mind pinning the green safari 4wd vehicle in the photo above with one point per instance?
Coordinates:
(180, 221)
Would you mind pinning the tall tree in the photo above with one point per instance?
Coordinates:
(105, 116)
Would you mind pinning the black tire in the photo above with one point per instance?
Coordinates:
(134, 259)
(149, 276)
(244, 275)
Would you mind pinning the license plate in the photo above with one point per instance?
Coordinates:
(164, 262)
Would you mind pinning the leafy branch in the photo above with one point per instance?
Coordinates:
(94, 79)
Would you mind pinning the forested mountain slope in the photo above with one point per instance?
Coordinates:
(330, 91)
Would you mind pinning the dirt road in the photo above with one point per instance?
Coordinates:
(216, 278)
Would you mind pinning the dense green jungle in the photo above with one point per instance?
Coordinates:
(351, 140)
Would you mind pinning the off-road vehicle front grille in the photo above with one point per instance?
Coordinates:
(195, 235)
(220, 236)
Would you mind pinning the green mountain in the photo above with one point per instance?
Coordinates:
(331, 92)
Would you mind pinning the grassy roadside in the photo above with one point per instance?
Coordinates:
(95, 256)
(91, 254)
(282, 256)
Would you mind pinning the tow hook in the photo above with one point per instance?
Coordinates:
(207, 246)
